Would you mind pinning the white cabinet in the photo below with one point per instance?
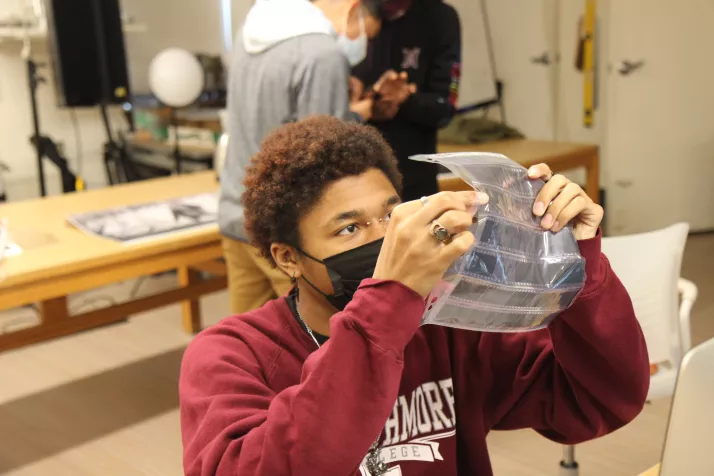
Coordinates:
(655, 121)
(524, 53)
(659, 147)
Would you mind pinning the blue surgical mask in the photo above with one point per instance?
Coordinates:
(354, 50)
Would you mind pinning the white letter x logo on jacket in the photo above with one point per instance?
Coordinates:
(411, 58)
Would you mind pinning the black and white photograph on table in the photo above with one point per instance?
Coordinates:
(145, 221)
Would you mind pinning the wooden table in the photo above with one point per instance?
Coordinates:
(58, 259)
(653, 471)
(560, 156)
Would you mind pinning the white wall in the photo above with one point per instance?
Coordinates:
(239, 10)
(194, 25)
(569, 101)
(570, 97)
(16, 128)
(546, 102)
(191, 24)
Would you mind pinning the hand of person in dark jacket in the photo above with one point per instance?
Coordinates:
(394, 87)
(384, 110)
(363, 108)
(356, 89)
(360, 103)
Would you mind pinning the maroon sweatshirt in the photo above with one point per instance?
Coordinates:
(258, 398)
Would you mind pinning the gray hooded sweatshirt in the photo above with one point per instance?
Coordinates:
(286, 65)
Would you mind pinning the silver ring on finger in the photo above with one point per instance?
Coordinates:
(440, 233)
(424, 201)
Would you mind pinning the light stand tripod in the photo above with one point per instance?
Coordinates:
(115, 157)
(177, 147)
(44, 146)
(33, 81)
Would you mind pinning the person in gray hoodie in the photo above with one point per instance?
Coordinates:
(291, 60)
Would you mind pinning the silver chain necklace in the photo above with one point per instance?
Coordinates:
(375, 466)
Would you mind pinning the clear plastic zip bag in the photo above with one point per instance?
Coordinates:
(517, 277)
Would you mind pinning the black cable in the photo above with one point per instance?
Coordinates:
(33, 81)
(492, 57)
(78, 142)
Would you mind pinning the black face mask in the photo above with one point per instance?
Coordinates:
(347, 270)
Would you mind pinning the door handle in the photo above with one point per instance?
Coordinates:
(627, 67)
(543, 59)
(623, 183)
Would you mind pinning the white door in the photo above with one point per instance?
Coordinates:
(523, 42)
(659, 149)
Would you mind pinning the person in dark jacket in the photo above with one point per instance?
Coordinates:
(423, 40)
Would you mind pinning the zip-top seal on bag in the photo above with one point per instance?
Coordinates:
(517, 277)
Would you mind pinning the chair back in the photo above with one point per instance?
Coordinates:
(649, 265)
(687, 447)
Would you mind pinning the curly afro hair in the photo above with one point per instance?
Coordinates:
(294, 166)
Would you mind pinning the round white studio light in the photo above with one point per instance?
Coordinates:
(176, 77)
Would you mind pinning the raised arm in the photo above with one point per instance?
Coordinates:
(234, 424)
(583, 377)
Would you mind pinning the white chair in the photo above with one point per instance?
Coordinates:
(649, 265)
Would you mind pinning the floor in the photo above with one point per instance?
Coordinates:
(104, 402)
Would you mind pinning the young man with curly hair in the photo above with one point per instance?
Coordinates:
(338, 378)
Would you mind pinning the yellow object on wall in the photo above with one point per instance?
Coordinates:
(588, 60)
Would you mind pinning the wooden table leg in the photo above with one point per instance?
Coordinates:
(53, 325)
(54, 310)
(592, 184)
(190, 309)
